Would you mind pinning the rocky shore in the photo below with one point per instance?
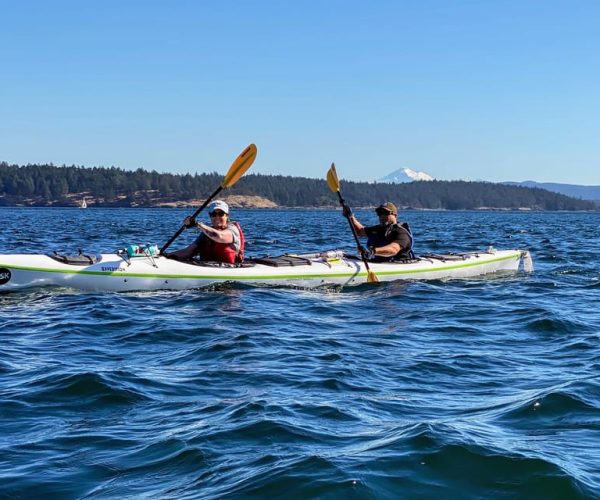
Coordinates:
(76, 200)
(234, 201)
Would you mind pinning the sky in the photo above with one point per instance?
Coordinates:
(494, 90)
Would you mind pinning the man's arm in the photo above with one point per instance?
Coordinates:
(388, 250)
(360, 229)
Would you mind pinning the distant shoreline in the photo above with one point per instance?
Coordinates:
(402, 209)
(50, 186)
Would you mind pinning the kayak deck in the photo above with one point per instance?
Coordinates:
(118, 272)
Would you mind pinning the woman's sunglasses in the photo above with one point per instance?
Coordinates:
(217, 213)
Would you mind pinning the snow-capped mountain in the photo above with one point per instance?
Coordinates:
(405, 175)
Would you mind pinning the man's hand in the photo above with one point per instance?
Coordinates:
(368, 253)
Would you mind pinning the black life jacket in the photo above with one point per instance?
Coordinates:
(376, 240)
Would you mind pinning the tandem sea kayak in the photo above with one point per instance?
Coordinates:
(122, 272)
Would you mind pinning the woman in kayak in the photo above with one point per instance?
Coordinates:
(388, 240)
(222, 241)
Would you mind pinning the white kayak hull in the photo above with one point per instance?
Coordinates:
(118, 273)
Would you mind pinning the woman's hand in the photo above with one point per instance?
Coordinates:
(189, 222)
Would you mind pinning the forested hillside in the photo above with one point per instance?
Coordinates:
(49, 185)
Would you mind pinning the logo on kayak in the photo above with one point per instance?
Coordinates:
(4, 275)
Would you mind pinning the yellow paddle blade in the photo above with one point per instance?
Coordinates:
(332, 179)
(371, 277)
(240, 165)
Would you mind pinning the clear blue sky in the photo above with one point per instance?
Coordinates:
(492, 90)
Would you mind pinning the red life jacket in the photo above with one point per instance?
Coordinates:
(222, 252)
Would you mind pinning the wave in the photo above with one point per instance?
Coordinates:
(81, 390)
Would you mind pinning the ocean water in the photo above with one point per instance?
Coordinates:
(481, 388)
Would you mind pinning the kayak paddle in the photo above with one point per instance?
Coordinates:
(238, 168)
(334, 184)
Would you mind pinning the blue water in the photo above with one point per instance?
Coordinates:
(482, 388)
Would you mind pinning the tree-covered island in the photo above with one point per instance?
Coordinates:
(50, 185)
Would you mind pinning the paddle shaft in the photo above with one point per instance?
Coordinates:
(360, 247)
(182, 228)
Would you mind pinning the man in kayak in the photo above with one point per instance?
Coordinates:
(222, 241)
(386, 241)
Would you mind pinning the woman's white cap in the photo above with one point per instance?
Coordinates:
(218, 205)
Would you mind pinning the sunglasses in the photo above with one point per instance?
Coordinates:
(217, 213)
(383, 212)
